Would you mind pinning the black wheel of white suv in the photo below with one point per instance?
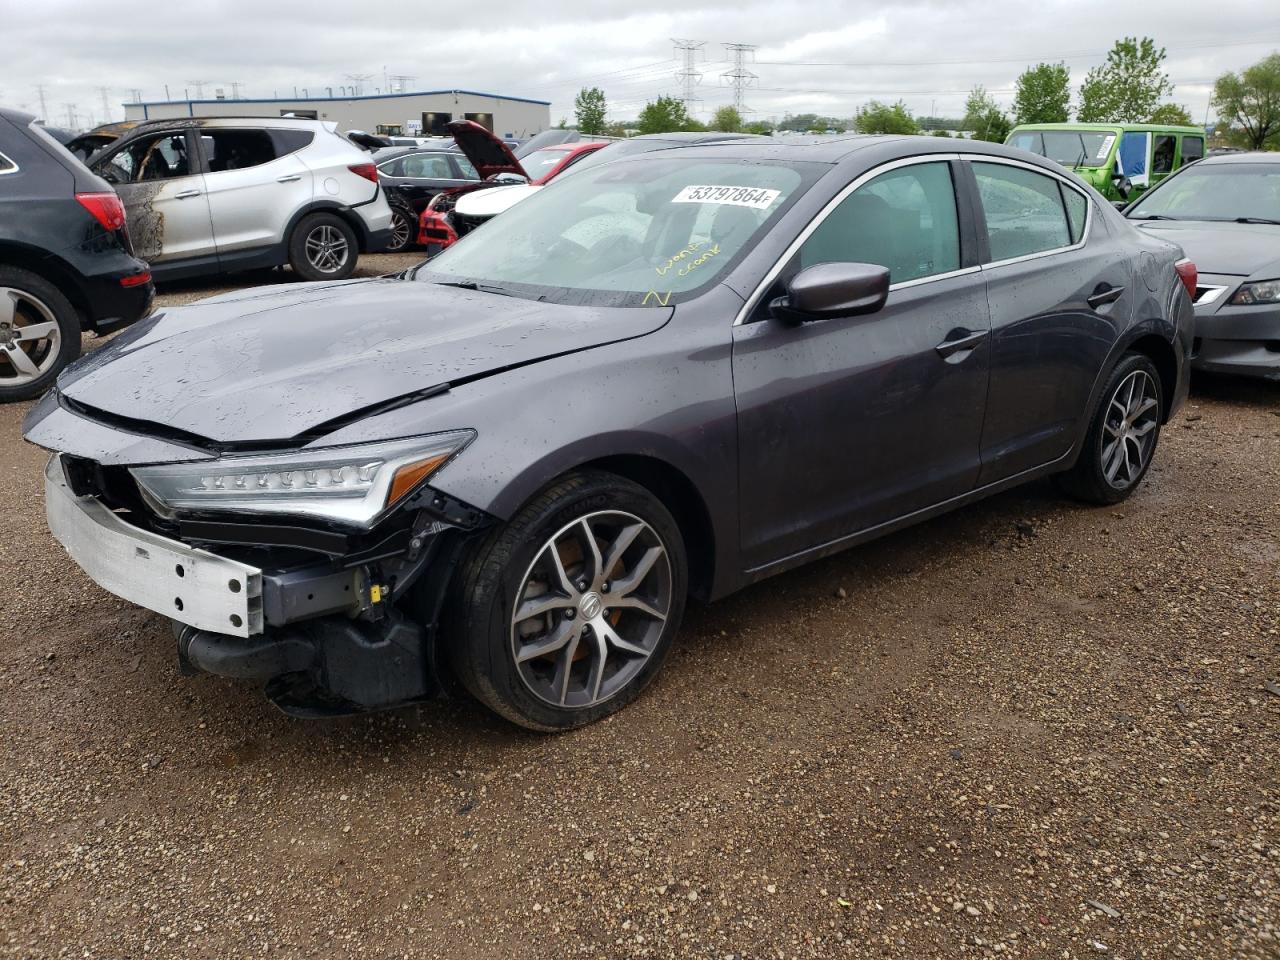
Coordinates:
(39, 334)
(323, 247)
(565, 614)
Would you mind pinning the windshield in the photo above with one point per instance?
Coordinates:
(644, 232)
(541, 162)
(1227, 191)
(1071, 148)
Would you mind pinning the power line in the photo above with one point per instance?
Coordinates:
(740, 77)
(199, 85)
(44, 112)
(689, 76)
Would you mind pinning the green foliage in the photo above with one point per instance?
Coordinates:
(590, 107)
(1043, 95)
(1250, 103)
(877, 117)
(809, 121)
(984, 117)
(665, 115)
(726, 120)
(616, 129)
(1171, 114)
(758, 126)
(1128, 87)
(941, 133)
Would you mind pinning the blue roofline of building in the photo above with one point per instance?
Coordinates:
(372, 96)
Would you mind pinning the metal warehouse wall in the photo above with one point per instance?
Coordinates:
(517, 118)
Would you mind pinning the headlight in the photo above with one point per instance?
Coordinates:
(1263, 291)
(352, 484)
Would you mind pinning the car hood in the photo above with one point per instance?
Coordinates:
(490, 203)
(265, 367)
(1229, 249)
(489, 155)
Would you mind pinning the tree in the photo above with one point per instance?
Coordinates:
(1128, 87)
(590, 108)
(984, 117)
(1044, 94)
(727, 120)
(1171, 114)
(1252, 100)
(877, 117)
(941, 133)
(664, 115)
(758, 126)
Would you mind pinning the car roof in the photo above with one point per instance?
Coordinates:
(1103, 127)
(298, 123)
(19, 117)
(1251, 156)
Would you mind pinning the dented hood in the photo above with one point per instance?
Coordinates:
(489, 155)
(285, 363)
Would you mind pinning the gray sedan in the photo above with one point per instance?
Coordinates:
(675, 374)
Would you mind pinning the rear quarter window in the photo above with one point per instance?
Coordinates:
(7, 165)
(290, 141)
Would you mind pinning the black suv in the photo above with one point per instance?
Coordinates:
(66, 263)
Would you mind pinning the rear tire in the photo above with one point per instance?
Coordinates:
(323, 247)
(29, 363)
(603, 618)
(403, 226)
(1123, 434)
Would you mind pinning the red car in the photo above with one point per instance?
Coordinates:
(497, 166)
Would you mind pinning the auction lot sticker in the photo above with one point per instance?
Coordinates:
(757, 197)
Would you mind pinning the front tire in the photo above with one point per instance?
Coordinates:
(39, 334)
(565, 614)
(1123, 434)
(323, 247)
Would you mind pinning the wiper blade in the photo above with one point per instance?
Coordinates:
(1153, 216)
(1258, 220)
(483, 288)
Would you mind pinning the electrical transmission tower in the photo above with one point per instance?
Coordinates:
(235, 89)
(740, 77)
(689, 76)
(358, 81)
(44, 112)
(106, 107)
(199, 85)
(401, 82)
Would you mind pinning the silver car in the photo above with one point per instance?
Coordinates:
(211, 195)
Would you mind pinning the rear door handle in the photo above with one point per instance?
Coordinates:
(959, 340)
(186, 194)
(289, 178)
(1110, 295)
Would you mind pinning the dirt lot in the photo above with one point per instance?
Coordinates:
(1029, 728)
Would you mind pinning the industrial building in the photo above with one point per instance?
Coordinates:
(423, 113)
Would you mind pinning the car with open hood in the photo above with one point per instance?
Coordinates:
(675, 374)
(1225, 213)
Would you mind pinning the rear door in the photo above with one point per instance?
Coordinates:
(255, 182)
(158, 180)
(847, 424)
(1059, 287)
(420, 176)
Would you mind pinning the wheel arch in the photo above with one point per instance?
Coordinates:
(342, 211)
(1161, 353)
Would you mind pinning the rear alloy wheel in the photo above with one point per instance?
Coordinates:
(323, 247)
(402, 224)
(568, 611)
(1123, 435)
(39, 334)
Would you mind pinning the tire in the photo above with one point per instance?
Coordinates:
(403, 226)
(1128, 413)
(29, 364)
(323, 247)
(496, 656)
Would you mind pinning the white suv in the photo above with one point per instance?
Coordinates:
(211, 195)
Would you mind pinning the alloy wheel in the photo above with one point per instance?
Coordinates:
(400, 231)
(327, 249)
(29, 337)
(1129, 430)
(591, 609)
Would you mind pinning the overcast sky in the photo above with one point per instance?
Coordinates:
(823, 57)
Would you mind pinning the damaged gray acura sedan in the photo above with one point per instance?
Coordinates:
(674, 374)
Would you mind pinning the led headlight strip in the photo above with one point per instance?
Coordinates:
(351, 484)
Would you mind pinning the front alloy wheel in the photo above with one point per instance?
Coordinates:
(564, 614)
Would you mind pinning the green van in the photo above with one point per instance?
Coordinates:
(1120, 159)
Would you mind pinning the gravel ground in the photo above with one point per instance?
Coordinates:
(1029, 729)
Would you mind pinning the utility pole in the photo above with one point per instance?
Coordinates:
(689, 76)
(199, 85)
(235, 89)
(71, 115)
(740, 77)
(44, 111)
(106, 107)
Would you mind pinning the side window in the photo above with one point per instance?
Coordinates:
(1028, 140)
(904, 220)
(159, 157)
(1192, 149)
(392, 168)
(290, 141)
(465, 169)
(1023, 210)
(1162, 154)
(236, 149)
(427, 166)
(1133, 154)
(7, 165)
(1077, 211)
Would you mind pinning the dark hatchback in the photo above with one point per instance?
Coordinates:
(674, 374)
(66, 261)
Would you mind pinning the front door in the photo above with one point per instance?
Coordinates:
(163, 195)
(848, 424)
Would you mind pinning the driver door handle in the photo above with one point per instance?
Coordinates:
(289, 178)
(186, 194)
(959, 340)
(1109, 295)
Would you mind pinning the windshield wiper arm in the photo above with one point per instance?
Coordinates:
(1153, 216)
(1258, 220)
(483, 288)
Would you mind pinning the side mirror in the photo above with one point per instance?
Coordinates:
(1123, 184)
(1120, 204)
(827, 291)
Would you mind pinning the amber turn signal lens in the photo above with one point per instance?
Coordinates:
(412, 474)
